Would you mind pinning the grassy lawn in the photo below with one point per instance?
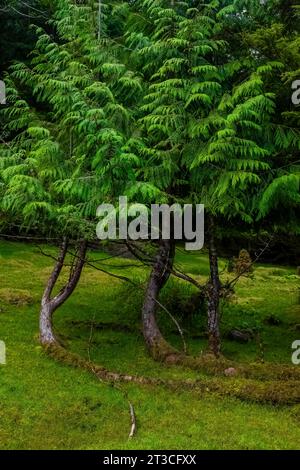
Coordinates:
(47, 405)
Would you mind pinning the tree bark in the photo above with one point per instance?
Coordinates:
(157, 345)
(213, 297)
(48, 304)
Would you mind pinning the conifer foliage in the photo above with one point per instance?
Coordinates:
(162, 101)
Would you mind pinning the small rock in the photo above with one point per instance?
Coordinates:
(171, 359)
(230, 372)
(240, 336)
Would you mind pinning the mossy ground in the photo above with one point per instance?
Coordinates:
(48, 405)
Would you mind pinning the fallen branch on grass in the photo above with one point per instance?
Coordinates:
(133, 421)
(131, 408)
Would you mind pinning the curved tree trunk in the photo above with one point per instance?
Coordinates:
(48, 304)
(213, 297)
(46, 329)
(157, 345)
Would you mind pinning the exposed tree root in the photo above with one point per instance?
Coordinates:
(162, 351)
(208, 364)
(274, 392)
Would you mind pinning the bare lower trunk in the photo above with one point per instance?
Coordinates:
(160, 273)
(46, 328)
(48, 304)
(213, 297)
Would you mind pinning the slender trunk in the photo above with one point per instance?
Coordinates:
(213, 297)
(48, 304)
(46, 329)
(47, 308)
(160, 274)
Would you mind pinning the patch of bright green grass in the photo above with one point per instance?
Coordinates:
(47, 405)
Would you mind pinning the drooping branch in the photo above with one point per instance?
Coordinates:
(164, 277)
(79, 259)
(139, 253)
(187, 278)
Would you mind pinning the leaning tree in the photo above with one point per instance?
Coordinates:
(69, 124)
(205, 112)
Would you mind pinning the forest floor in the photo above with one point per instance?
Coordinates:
(49, 405)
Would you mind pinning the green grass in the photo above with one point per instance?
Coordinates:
(47, 405)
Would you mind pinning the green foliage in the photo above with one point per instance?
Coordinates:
(68, 149)
(162, 102)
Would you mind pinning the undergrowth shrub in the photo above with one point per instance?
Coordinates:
(243, 264)
(240, 317)
(186, 304)
(180, 299)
